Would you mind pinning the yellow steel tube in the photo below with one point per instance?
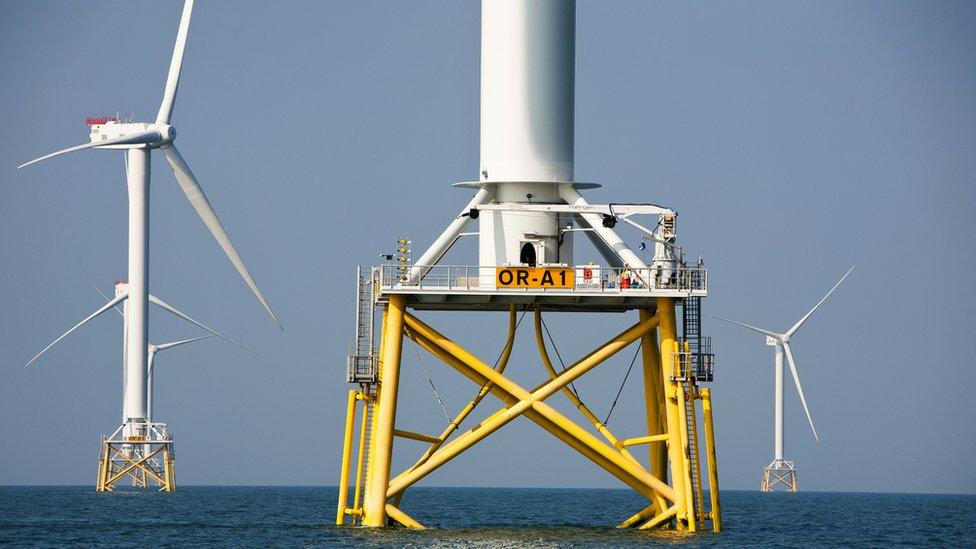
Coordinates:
(643, 440)
(634, 475)
(414, 436)
(385, 416)
(660, 519)
(170, 485)
(346, 456)
(668, 332)
(172, 472)
(716, 510)
(597, 424)
(403, 518)
(102, 468)
(653, 395)
(642, 515)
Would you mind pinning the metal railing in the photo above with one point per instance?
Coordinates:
(686, 365)
(361, 368)
(152, 432)
(588, 278)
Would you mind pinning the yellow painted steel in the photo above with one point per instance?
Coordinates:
(641, 516)
(660, 519)
(667, 326)
(589, 415)
(415, 436)
(485, 389)
(403, 518)
(716, 510)
(689, 504)
(665, 400)
(102, 466)
(372, 426)
(169, 471)
(521, 401)
(654, 399)
(642, 440)
(346, 456)
(135, 465)
(693, 443)
(385, 414)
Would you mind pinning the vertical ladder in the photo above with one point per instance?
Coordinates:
(363, 467)
(361, 364)
(693, 450)
(697, 368)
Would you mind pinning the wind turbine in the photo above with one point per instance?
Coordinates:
(137, 140)
(155, 348)
(152, 432)
(781, 470)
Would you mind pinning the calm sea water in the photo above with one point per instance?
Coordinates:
(468, 517)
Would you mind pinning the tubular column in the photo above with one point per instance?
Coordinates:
(382, 448)
(137, 328)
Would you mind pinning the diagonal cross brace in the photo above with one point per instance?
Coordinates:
(520, 401)
(141, 465)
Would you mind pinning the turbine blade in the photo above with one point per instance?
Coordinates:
(800, 322)
(753, 328)
(194, 193)
(135, 139)
(799, 389)
(175, 67)
(173, 310)
(100, 310)
(171, 344)
(101, 293)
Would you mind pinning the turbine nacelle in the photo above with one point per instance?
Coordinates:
(153, 134)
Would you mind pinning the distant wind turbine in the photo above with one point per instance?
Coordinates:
(782, 471)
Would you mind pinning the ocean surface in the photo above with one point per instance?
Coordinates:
(468, 517)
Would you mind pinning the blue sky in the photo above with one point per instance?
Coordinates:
(794, 139)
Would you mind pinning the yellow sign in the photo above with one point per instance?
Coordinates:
(136, 438)
(533, 277)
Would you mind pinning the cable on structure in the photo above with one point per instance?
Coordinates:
(437, 396)
(558, 356)
(624, 382)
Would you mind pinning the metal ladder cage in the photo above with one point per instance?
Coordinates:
(361, 364)
(700, 362)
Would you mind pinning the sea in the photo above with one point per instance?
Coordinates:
(468, 517)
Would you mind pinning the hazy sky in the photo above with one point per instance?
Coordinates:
(794, 139)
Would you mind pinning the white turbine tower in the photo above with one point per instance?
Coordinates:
(154, 348)
(138, 139)
(781, 470)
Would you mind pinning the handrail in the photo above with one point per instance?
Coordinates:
(601, 279)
